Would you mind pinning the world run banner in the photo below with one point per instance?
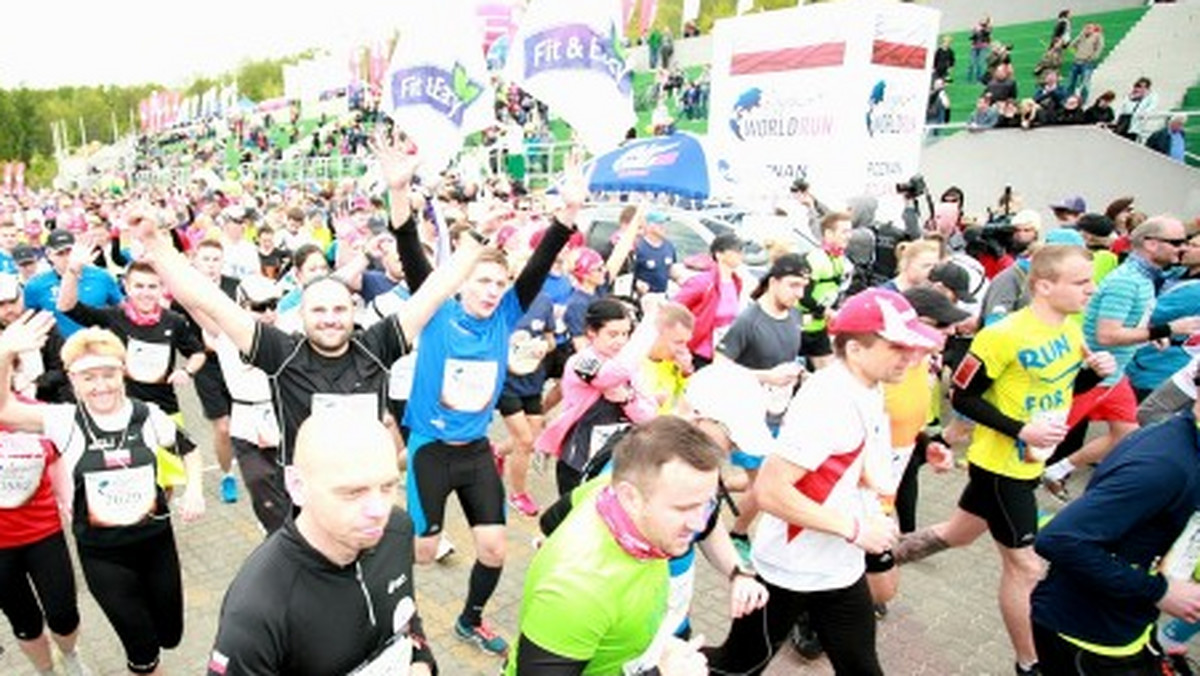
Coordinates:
(436, 87)
(832, 93)
(570, 56)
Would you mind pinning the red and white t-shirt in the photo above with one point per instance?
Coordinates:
(833, 426)
(28, 509)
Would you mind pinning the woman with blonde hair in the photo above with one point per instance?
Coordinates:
(914, 261)
(108, 470)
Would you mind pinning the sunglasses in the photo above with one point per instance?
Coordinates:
(1178, 242)
(265, 306)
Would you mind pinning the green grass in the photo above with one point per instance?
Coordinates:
(1029, 41)
(1191, 129)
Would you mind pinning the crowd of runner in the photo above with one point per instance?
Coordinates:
(351, 353)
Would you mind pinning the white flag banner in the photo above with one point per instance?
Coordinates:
(570, 55)
(436, 87)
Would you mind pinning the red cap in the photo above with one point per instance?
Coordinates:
(887, 314)
(586, 260)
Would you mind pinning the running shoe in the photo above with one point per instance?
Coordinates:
(445, 548)
(805, 641)
(482, 637)
(1028, 671)
(523, 503)
(229, 489)
(881, 611)
(73, 666)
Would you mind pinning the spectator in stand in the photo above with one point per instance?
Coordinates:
(667, 50)
(937, 109)
(1170, 140)
(1134, 113)
(1051, 61)
(1101, 111)
(943, 60)
(1050, 95)
(981, 43)
(654, 44)
(985, 116)
(1062, 28)
(1071, 112)
(1002, 86)
(1088, 46)
(1032, 115)
(1009, 114)
(714, 297)
(1001, 55)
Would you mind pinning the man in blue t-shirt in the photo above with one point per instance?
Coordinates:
(460, 370)
(1117, 320)
(654, 257)
(96, 287)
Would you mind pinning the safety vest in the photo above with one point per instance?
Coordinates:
(826, 276)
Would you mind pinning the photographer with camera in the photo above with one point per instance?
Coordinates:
(888, 235)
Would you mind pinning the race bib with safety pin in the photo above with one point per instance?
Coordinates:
(147, 362)
(778, 398)
(120, 497)
(20, 475)
(468, 385)
(346, 405)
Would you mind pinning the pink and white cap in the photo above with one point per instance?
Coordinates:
(888, 315)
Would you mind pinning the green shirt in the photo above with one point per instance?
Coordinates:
(587, 599)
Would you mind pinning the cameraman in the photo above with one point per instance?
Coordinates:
(887, 235)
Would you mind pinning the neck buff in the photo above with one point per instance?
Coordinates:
(142, 318)
(622, 528)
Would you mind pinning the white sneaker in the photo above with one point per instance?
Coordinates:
(444, 549)
(73, 666)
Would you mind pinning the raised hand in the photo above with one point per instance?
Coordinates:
(397, 155)
(573, 189)
(27, 333)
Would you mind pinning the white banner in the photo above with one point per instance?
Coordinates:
(570, 56)
(832, 93)
(436, 87)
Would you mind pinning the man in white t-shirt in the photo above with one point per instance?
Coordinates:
(818, 494)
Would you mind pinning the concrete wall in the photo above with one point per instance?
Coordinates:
(1044, 165)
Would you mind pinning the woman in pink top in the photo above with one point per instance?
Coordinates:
(714, 297)
(600, 395)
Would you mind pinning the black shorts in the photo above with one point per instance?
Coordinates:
(437, 469)
(557, 359)
(815, 343)
(211, 390)
(512, 404)
(1007, 504)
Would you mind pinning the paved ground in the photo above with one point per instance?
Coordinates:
(945, 620)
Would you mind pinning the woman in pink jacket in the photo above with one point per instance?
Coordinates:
(714, 297)
(600, 395)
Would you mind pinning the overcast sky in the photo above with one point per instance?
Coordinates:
(49, 43)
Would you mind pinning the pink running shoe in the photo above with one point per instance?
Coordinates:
(524, 504)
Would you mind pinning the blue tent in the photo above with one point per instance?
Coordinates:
(678, 165)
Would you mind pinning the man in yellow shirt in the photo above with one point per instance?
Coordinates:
(1016, 383)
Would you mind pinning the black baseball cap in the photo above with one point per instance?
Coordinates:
(59, 239)
(787, 265)
(23, 253)
(933, 304)
(954, 277)
(1097, 225)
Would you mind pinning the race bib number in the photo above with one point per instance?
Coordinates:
(524, 353)
(20, 475)
(600, 436)
(346, 405)
(120, 497)
(778, 398)
(400, 378)
(394, 660)
(147, 362)
(255, 423)
(468, 385)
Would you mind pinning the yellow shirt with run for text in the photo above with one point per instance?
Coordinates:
(1033, 367)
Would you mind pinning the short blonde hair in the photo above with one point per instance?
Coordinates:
(92, 341)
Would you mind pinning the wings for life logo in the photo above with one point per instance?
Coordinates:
(449, 92)
(890, 112)
(642, 159)
(759, 114)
